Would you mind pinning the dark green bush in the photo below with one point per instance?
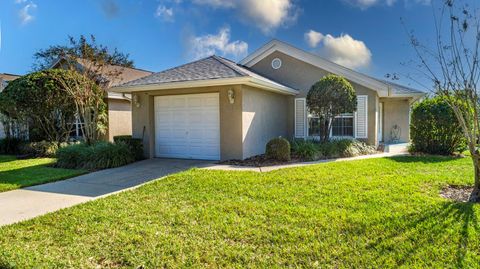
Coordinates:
(345, 148)
(109, 155)
(10, 145)
(434, 129)
(101, 155)
(40, 149)
(278, 149)
(305, 149)
(75, 156)
(135, 145)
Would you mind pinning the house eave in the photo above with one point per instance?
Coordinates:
(207, 83)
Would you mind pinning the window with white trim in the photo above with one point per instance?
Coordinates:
(342, 126)
(77, 132)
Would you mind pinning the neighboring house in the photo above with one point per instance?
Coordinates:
(216, 109)
(4, 80)
(119, 104)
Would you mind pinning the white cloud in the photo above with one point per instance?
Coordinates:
(207, 45)
(343, 50)
(164, 13)
(265, 14)
(313, 38)
(364, 4)
(217, 3)
(25, 13)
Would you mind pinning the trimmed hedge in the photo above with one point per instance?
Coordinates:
(101, 155)
(278, 149)
(434, 128)
(135, 145)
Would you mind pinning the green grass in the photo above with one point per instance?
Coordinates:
(16, 174)
(361, 214)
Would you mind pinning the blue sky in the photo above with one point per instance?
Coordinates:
(366, 35)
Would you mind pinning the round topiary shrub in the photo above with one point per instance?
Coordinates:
(434, 129)
(278, 149)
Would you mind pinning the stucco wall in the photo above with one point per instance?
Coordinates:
(264, 117)
(119, 118)
(396, 112)
(230, 119)
(301, 76)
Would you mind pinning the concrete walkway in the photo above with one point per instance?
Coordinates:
(38, 200)
(282, 166)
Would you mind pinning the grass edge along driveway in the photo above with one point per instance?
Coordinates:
(369, 213)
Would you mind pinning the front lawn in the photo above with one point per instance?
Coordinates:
(16, 174)
(369, 213)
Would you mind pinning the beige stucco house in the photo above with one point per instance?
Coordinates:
(119, 104)
(216, 109)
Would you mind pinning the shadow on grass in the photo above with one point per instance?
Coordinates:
(423, 159)
(452, 221)
(34, 175)
(7, 158)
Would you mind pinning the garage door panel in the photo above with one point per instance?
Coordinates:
(188, 126)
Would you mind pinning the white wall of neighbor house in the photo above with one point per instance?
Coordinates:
(264, 117)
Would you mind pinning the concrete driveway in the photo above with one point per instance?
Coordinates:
(38, 200)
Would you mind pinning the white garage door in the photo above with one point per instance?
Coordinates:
(187, 126)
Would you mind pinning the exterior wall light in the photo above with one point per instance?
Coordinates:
(136, 101)
(231, 96)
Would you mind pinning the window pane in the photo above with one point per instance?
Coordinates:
(342, 127)
(313, 127)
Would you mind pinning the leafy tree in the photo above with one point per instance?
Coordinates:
(329, 98)
(453, 65)
(434, 128)
(93, 58)
(88, 100)
(39, 99)
(91, 62)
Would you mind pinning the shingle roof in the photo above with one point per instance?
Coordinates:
(213, 67)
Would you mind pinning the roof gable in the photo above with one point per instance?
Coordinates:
(384, 88)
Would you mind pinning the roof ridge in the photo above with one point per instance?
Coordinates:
(182, 65)
(230, 64)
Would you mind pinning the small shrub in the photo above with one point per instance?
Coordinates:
(305, 149)
(434, 128)
(101, 155)
(10, 145)
(40, 149)
(75, 156)
(109, 155)
(278, 149)
(135, 145)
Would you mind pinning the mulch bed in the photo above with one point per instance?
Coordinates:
(457, 193)
(259, 161)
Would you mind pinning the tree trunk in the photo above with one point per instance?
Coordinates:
(475, 196)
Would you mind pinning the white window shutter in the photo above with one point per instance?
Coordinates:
(300, 118)
(361, 117)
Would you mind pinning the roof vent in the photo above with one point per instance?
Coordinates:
(276, 63)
